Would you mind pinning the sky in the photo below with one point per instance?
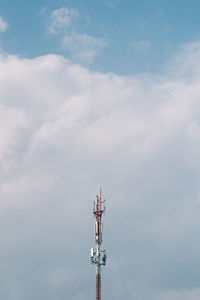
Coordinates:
(99, 94)
(128, 37)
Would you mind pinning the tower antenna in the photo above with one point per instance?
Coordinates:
(98, 256)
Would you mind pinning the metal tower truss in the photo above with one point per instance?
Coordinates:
(97, 255)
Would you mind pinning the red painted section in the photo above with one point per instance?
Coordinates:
(98, 287)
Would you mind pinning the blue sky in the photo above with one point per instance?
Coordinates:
(99, 93)
(140, 36)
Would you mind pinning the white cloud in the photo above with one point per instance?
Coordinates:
(141, 45)
(184, 63)
(12, 122)
(64, 132)
(3, 25)
(108, 3)
(181, 295)
(80, 47)
(61, 19)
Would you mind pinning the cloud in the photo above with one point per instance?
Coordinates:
(184, 63)
(80, 47)
(3, 25)
(64, 132)
(108, 3)
(141, 45)
(183, 295)
(61, 19)
(12, 122)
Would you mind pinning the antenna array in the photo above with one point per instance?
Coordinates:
(98, 256)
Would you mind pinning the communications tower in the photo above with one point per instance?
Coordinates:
(98, 256)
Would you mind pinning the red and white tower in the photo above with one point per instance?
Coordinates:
(98, 256)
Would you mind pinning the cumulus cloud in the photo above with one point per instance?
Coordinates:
(81, 47)
(61, 18)
(3, 25)
(64, 132)
(12, 122)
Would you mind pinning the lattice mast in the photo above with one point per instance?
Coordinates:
(98, 256)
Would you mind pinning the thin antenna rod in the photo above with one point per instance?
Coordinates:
(98, 256)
